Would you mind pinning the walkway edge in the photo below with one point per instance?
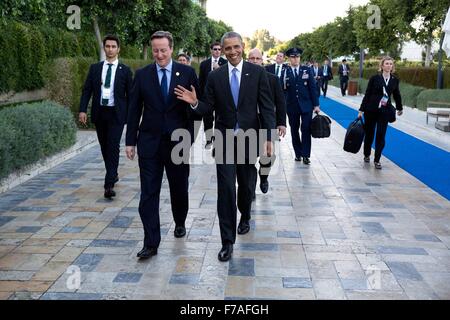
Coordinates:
(85, 141)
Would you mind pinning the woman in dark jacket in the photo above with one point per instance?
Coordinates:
(378, 96)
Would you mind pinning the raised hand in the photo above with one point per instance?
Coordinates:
(187, 96)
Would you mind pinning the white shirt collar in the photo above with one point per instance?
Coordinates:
(239, 67)
(168, 67)
(115, 62)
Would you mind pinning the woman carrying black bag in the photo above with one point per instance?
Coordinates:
(378, 109)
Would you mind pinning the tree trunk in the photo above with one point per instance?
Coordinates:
(98, 36)
(428, 52)
(145, 52)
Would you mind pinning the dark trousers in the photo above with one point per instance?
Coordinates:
(344, 85)
(151, 173)
(319, 86)
(109, 133)
(227, 174)
(302, 147)
(208, 122)
(374, 120)
(265, 163)
(324, 87)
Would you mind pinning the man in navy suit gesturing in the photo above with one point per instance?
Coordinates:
(162, 113)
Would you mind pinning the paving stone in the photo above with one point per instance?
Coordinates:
(128, 277)
(404, 270)
(401, 250)
(297, 282)
(242, 267)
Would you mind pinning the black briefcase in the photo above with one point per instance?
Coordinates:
(320, 126)
(354, 136)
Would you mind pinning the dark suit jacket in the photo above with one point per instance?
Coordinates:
(272, 68)
(157, 117)
(341, 71)
(329, 75)
(374, 93)
(254, 92)
(122, 90)
(205, 69)
(278, 99)
(319, 72)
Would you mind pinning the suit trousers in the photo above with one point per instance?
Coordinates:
(344, 85)
(227, 174)
(151, 174)
(208, 122)
(324, 87)
(302, 147)
(374, 119)
(109, 133)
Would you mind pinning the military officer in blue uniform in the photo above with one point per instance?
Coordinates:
(301, 101)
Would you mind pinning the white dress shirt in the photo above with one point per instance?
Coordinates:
(113, 77)
(238, 73)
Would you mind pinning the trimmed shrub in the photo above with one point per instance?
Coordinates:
(432, 95)
(32, 132)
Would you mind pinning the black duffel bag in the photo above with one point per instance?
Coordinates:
(354, 136)
(320, 126)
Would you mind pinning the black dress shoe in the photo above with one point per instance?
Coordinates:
(264, 185)
(109, 193)
(116, 179)
(298, 159)
(208, 144)
(147, 252)
(225, 252)
(244, 226)
(180, 231)
(306, 160)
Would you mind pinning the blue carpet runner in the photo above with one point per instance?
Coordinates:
(428, 163)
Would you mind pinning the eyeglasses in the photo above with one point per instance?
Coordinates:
(254, 58)
(217, 49)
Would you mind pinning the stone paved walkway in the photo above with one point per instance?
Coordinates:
(337, 229)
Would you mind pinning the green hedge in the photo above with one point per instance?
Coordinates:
(417, 76)
(26, 49)
(432, 95)
(32, 132)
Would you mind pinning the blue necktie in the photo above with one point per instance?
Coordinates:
(164, 89)
(234, 85)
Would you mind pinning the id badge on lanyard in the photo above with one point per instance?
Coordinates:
(385, 99)
(106, 93)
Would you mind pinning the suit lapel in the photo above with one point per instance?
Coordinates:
(245, 81)
(174, 81)
(98, 75)
(117, 77)
(225, 77)
(155, 81)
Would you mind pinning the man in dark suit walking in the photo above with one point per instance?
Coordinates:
(278, 66)
(344, 73)
(109, 85)
(235, 92)
(317, 72)
(255, 57)
(213, 63)
(327, 75)
(162, 113)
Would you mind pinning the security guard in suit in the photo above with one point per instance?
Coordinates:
(300, 88)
